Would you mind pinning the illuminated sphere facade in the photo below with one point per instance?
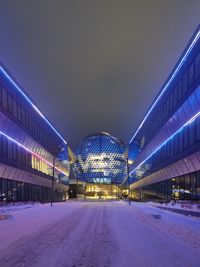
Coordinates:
(101, 159)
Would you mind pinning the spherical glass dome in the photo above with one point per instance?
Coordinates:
(100, 159)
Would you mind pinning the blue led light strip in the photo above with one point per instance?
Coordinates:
(168, 83)
(30, 102)
(33, 153)
(167, 140)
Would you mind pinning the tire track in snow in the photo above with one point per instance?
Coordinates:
(81, 239)
(29, 250)
(96, 246)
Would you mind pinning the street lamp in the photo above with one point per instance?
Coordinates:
(52, 184)
(76, 188)
(55, 154)
(128, 162)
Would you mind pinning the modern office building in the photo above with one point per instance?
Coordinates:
(100, 160)
(29, 146)
(166, 164)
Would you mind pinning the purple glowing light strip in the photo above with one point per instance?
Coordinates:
(30, 102)
(30, 151)
(168, 83)
(167, 140)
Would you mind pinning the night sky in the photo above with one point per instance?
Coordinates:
(94, 65)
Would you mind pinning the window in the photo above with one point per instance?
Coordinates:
(23, 117)
(4, 146)
(185, 137)
(197, 66)
(10, 104)
(180, 90)
(4, 189)
(4, 98)
(19, 113)
(0, 94)
(27, 120)
(167, 106)
(14, 108)
(185, 85)
(175, 96)
(197, 128)
(191, 74)
(171, 147)
(23, 158)
(19, 154)
(180, 148)
(9, 149)
(192, 133)
(163, 111)
(14, 151)
(176, 143)
(170, 102)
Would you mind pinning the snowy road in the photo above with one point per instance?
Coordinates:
(99, 234)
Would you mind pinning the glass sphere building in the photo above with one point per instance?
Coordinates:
(101, 159)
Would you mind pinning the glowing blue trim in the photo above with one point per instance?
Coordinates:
(168, 83)
(30, 102)
(167, 140)
(33, 153)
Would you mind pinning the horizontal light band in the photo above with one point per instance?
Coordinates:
(167, 140)
(33, 153)
(168, 83)
(30, 102)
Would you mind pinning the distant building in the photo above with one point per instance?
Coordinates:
(101, 159)
(28, 144)
(168, 163)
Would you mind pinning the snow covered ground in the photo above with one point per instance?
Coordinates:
(181, 204)
(98, 234)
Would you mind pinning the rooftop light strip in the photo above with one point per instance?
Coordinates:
(167, 140)
(30, 102)
(33, 153)
(168, 83)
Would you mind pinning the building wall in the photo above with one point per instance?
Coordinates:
(27, 148)
(170, 133)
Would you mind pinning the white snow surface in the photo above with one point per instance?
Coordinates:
(98, 234)
(181, 205)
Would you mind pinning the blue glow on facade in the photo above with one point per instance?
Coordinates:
(168, 83)
(101, 160)
(30, 151)
(167, 140)
(30, 102)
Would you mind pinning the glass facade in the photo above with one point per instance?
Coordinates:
(101, 160)
(186, 187)
(11, 190)
(169, 136)
(28, 146)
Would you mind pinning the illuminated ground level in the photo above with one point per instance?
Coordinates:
(97, 191)
(104, 191)
(98, 234)
(185, 187)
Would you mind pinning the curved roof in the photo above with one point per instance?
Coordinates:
(116, 139)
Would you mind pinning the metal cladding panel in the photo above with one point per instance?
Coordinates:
(185, 112)
(8, 172)
(176, 169)
(172, 173)
(189, 165)
(184, 166)
(11, 85)
(14, 131)
(196, 162)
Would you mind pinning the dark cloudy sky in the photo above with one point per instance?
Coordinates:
(94, 65)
